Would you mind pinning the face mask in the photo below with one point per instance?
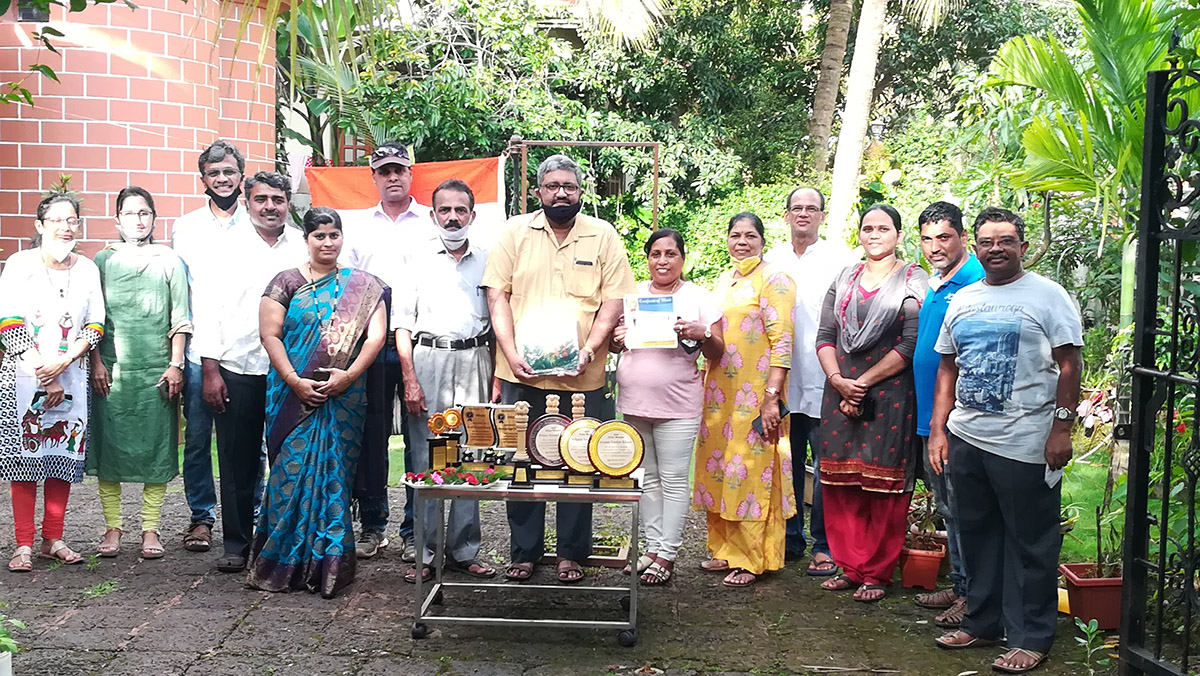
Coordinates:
(747, 265)
(453, 239)
(224, 203)
(57, 249)
(562, 213)
(136, 240)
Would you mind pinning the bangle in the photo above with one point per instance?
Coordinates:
(289, 375)
(831, 375)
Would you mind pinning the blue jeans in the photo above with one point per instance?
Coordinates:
(943, 498)
(198, 484)
(804, 428)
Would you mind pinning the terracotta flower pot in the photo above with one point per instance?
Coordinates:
(919, 567)
(1092, 598)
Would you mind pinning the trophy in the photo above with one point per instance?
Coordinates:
(443, 446)
(520, 472)
(573, 444)
(544, 435)
(616, 450)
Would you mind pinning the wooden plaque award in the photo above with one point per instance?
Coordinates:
(544, 436)
(573, 445)
(479, 437)
(505, 424)
(520, 472)
(616, 449)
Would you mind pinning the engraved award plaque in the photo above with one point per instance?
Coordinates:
(616, 449)
(479, 437)
(573, 444)
(544, 436)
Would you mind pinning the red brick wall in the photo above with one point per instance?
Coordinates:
(142, 92)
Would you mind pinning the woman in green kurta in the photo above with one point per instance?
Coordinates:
(137, 373)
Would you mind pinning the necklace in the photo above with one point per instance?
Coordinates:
(62, 291)
(337, 295)
(674, 287)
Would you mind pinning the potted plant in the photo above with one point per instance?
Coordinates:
(1094, 588)
(922, 554)
(8, 645)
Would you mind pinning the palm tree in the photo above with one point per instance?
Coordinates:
(837, 31)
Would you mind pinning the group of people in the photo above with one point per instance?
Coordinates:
(305, 349)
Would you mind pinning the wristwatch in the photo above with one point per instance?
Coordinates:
(707, 332)
(1064, 413)
(771, 390)
(178, 365)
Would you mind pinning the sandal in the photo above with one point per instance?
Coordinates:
(1034, 655)
(870, 588)
(22, 560)
(953, 616)
(410, 576)
(198, 538)
(946, 642)
(731, 580)
(656, 574)
(839, 583)
(474, 568)
(59, 551)
(152, 551)
(938, 600)
(817, 568)
(519, 572)
(715, 566)
(644, 561)
(569, 572)
(107, 548)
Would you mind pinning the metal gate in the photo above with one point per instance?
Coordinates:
(1161, 594)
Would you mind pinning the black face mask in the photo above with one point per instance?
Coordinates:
(224, 203)
(562, 213)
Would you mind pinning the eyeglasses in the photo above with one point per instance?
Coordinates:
(568, 188)
(805, 208)
(140, 215)
(1006, 242)
(73, 222)
(228, 172)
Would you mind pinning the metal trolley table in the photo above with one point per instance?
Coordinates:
(430, 593)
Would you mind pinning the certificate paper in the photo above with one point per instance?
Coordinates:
(650, 321)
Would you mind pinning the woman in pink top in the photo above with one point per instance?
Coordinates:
(659, 392)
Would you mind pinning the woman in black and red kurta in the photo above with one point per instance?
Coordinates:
(867, 440)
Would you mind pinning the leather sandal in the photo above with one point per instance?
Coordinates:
(106, 549)
(59, 551)
(198, 538)
(151, 551)
(22, 560)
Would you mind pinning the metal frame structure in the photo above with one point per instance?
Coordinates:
(524, 145)
(1160, 601)
(425, 600)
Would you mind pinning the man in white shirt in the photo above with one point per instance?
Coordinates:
(376, 240)
(195, 237)
(232, 357)
(443, 335)
(812, 263)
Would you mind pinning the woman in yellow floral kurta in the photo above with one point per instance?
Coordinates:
(744, 479)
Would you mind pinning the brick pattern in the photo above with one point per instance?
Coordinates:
(141, 93)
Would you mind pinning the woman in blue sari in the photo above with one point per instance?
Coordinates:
(322, 327)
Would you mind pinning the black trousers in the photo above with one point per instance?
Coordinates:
(239, 456)
(1008, 529)
(527, 520)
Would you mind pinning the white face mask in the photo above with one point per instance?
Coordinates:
(134, 240)
(454, 239)
(58, 249)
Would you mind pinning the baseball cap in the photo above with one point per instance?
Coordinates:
(390, 153)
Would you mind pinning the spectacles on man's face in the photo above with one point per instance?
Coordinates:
(139, 215)
(805, 209)
(567, 188)
(1003, 242)
(70, 222)
(228, 172)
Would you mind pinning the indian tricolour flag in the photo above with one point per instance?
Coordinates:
(352, 188)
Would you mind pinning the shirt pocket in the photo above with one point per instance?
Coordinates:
(581, 276)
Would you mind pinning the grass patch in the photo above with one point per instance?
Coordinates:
(1083, 489)
(103, 589)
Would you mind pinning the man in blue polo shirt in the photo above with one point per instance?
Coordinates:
(945, 247)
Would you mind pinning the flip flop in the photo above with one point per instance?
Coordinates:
(729, 581)
(464, 567)
(410, 576)
(872, 587)
(565, 568)
(519, 572)
(846, 582)
(22, 560)
(1037, 657)
(975, 642)
(59, 551)
(710, 566)
(821, 572)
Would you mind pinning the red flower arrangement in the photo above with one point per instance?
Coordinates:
(453, 476)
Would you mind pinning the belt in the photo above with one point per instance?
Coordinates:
(452, 343)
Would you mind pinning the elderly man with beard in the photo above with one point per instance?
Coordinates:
(1006, 391)
(233, 359)
(555, 270)
(444, 337)
(944, 244)
(195, 237)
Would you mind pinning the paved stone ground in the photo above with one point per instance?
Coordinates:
(178, 615)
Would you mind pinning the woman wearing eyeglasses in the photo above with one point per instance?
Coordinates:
(137, 372)
(51, 315)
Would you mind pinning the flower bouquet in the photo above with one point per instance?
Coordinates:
(453, 476)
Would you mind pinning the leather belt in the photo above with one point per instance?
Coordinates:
(442, 343)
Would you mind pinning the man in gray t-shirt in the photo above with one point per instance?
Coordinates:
(1007, 389)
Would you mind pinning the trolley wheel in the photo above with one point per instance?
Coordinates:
(625, 603)
(627, 638)
(420, 630)
(437, 598)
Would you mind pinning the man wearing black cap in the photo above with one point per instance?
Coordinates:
(376, 239)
